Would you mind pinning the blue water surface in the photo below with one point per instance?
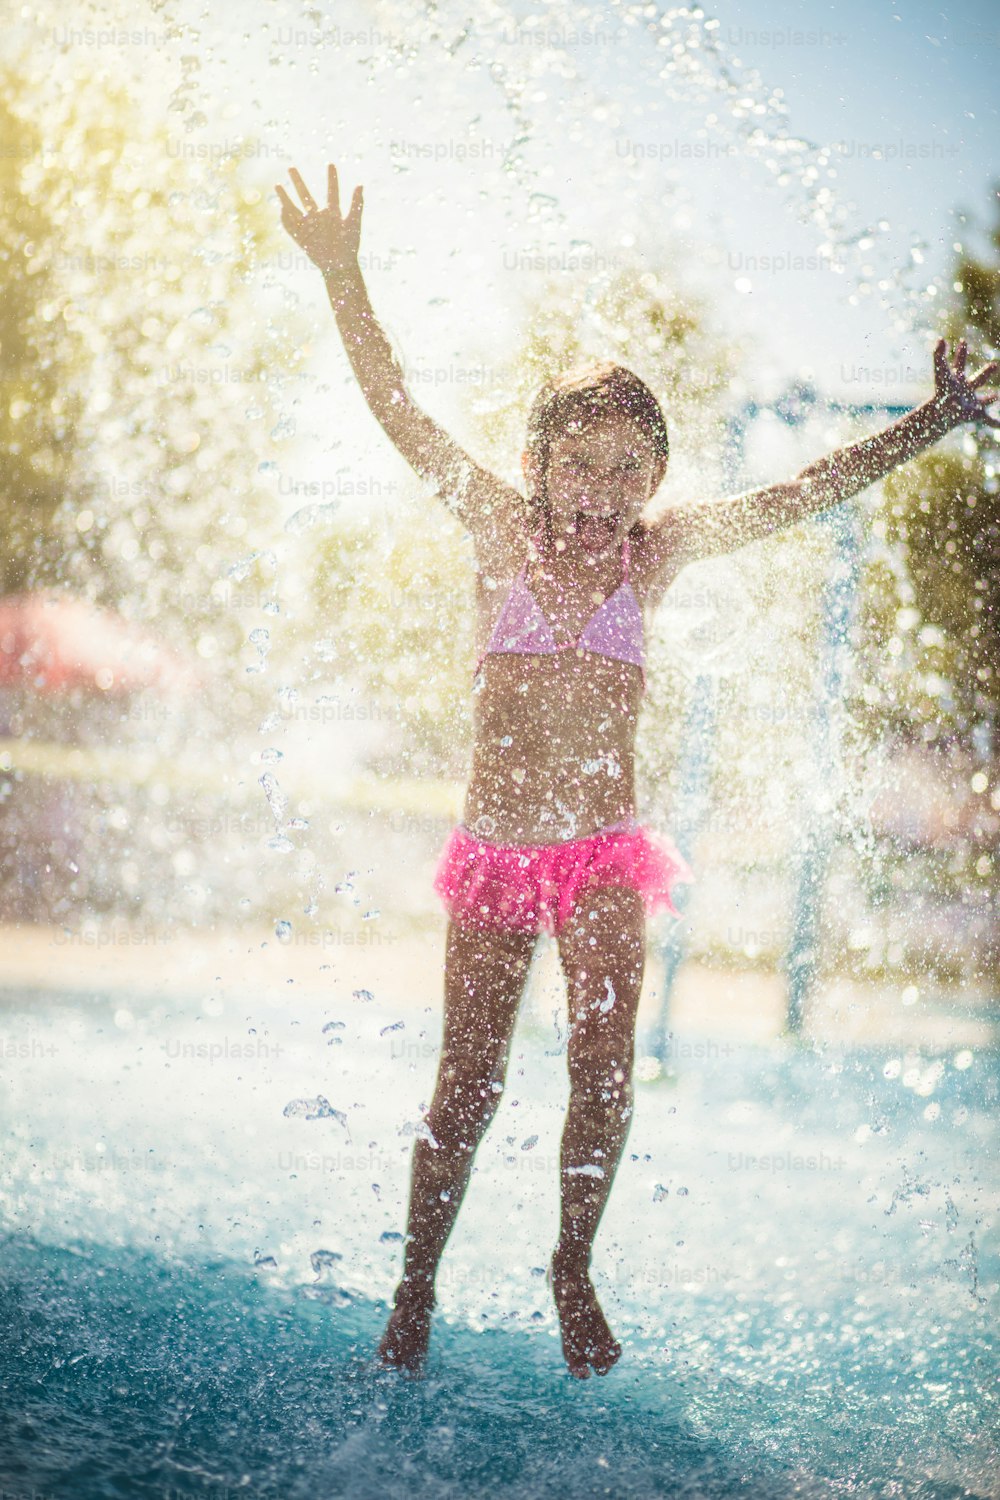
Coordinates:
(799, 1257)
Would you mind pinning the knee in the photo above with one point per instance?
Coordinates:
(464, 1104)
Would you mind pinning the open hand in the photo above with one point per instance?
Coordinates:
(330, 242)
(958, 397)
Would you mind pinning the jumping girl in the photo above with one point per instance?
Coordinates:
(565, 578)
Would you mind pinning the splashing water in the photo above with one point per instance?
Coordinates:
(811, 1316)
(315, 1109)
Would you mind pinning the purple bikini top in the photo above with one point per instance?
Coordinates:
(615, 628)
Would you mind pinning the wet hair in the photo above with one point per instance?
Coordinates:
(587, 392)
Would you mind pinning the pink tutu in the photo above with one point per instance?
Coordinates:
(532, 887)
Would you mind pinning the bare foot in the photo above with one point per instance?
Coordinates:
(586, 1338)
(408, 1331)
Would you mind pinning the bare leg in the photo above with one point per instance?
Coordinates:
(484, 980)
(604, 979)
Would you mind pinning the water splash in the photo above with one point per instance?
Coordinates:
(311, 516)
(314, 1109)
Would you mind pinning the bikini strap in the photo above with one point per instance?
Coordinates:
(535, 542)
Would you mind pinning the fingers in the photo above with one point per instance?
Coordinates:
(289, 209)
(357, 204)
(961, 355)
(940, 360)
(302, 190)
(986, 373)
(332, 188)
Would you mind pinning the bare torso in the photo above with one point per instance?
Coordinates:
(554, 736)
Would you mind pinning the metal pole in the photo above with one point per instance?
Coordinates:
(801, 961)
(802, 958)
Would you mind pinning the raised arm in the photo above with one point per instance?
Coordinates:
(690, 532)
(493, 511)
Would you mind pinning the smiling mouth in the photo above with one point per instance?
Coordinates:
(594, 533)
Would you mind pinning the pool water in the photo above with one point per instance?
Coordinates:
(201, 1219)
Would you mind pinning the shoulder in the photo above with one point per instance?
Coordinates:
(501, 522)
(656, 555)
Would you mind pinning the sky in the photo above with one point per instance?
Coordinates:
(509, 130)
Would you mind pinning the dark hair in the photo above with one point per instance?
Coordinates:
(587, 391)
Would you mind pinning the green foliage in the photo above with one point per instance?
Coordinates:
(934, 627)
(637, 317)
(400, 607)
(143, 381)
(929, 643)
(947, 518)
(37, 415)
(978, 287)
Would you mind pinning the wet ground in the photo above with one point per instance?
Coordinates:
(201, 1215)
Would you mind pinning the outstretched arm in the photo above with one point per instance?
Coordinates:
(486, 506)
(701, 530)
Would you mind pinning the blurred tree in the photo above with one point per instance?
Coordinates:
(932, 635)
(143, 380)
(36, 418)
(942, 510)
(149, 373)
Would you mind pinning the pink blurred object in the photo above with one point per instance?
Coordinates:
(53, 642)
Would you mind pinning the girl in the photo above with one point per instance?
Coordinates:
(549, 839)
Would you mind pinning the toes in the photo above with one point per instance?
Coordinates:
(604, 1361)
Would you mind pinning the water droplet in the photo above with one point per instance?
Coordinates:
(363, 995)
(314, 1109)
(283, 931)
(241, 570)
(324, 1260)
(309, 516)
(276, 799)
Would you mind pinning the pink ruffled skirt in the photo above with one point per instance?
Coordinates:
(533, 887)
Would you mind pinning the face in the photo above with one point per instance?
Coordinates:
(599, 479)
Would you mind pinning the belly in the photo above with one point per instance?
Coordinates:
(554, 752)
